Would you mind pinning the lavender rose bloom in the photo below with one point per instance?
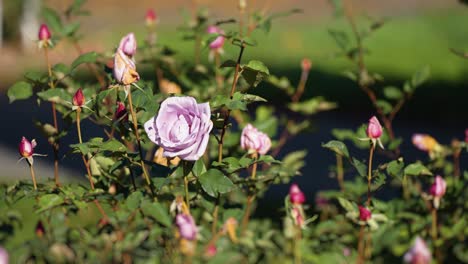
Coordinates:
(181, 128)
(187, 227)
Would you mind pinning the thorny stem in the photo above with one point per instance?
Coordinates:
(137, 135)
(250, 198)
(363, 73)
(369, 174)
(86, 163)
(339, 172)
(55, 144)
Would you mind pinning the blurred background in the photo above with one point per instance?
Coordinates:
(416, 33)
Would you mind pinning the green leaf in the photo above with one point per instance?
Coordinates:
(392, 92)
(113, 145)
(53, 19)
(420, 77)
(56, 95)
(156, 211)
(360, 167)
(133, 200)
(395, 168)
(48, 201)
(347, 205)
(198, 168)
(385, 106)
(89, 57)
(20, 91)
(338, 147)
(312, 106)
(214, 182)
(416, 169)
(254, 72)
(341, 38)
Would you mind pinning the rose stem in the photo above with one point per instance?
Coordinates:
(369, 174)
(33, 175)
(360, 258)
(339, 172)
(297, 248)
(223, 131)
(434, 233)
(218, 76)
(55, 144)
(250, 198)
(137, 135)
(86, 163)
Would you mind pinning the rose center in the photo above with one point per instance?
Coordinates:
(181, 128)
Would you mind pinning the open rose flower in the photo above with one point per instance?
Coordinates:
(419, 253)
(187, 228)
(254, 140)
(181, 128)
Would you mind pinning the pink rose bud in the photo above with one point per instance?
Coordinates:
(3, 256)
(150, 17)
(419, 253)
(254, 140)
(374, 129)
(128, 44)
(219, 41)
(438, 187)
(364, 214)
(121, 112)
(78, 98)
(424, 142)
(296, 195)
(26, 148)
(182, 127)
(44, 33)
(211, 251)
(124, 69)
(187, 228)
(306, 64)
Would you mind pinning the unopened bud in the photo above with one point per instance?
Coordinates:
(26, 148)
(78, 98)
(44, 33)
(306, 64)
(364, 214)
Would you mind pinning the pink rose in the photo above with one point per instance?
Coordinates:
(374, 129)
(438, 187)
(128, 44)
(3, 256)
(187, 228)
(254, 140)
(419, 253)
(296, 195)
(364, 214)
(151, 17)
(44, 32)
(181, 128)
(26, 148)
(219, 41)
(78, 98)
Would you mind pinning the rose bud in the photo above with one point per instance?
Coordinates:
(364, 214)
(254, 140)
(181, 127)
(419, 253)
(26, 148)
(121, 113)
(78, 98)
(124, 69)
(151, 17)
(437, 190)
(296, 195)
(211, 251)
(374, 129)
(187, 228)
(424, 142)
(44, 33)
(3, 256)
(306, 64)
(128, 44)
(218, 43)
(40, 230)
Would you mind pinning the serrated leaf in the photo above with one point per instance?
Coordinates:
(312, 106)
(360, 167)
(89, 57)
(338, 147)
(254, 72)
(20, 91)
(157, 211)
(214, 182)
(385, 106)
(48, 201)
(416, 169)
(395, 168)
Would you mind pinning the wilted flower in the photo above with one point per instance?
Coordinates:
(364, 214)
(230, 227)
(120, 113)
(124, 69)
(425, 142)
(3, 256)
(186, 225)
(181, 127)
(78, 98)
(164, 161)
(26, 148)
(296, 195)
(254, 140)
(128, 44)
(44, 33)
(419, 253)
(306, 64)
(151, 17)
